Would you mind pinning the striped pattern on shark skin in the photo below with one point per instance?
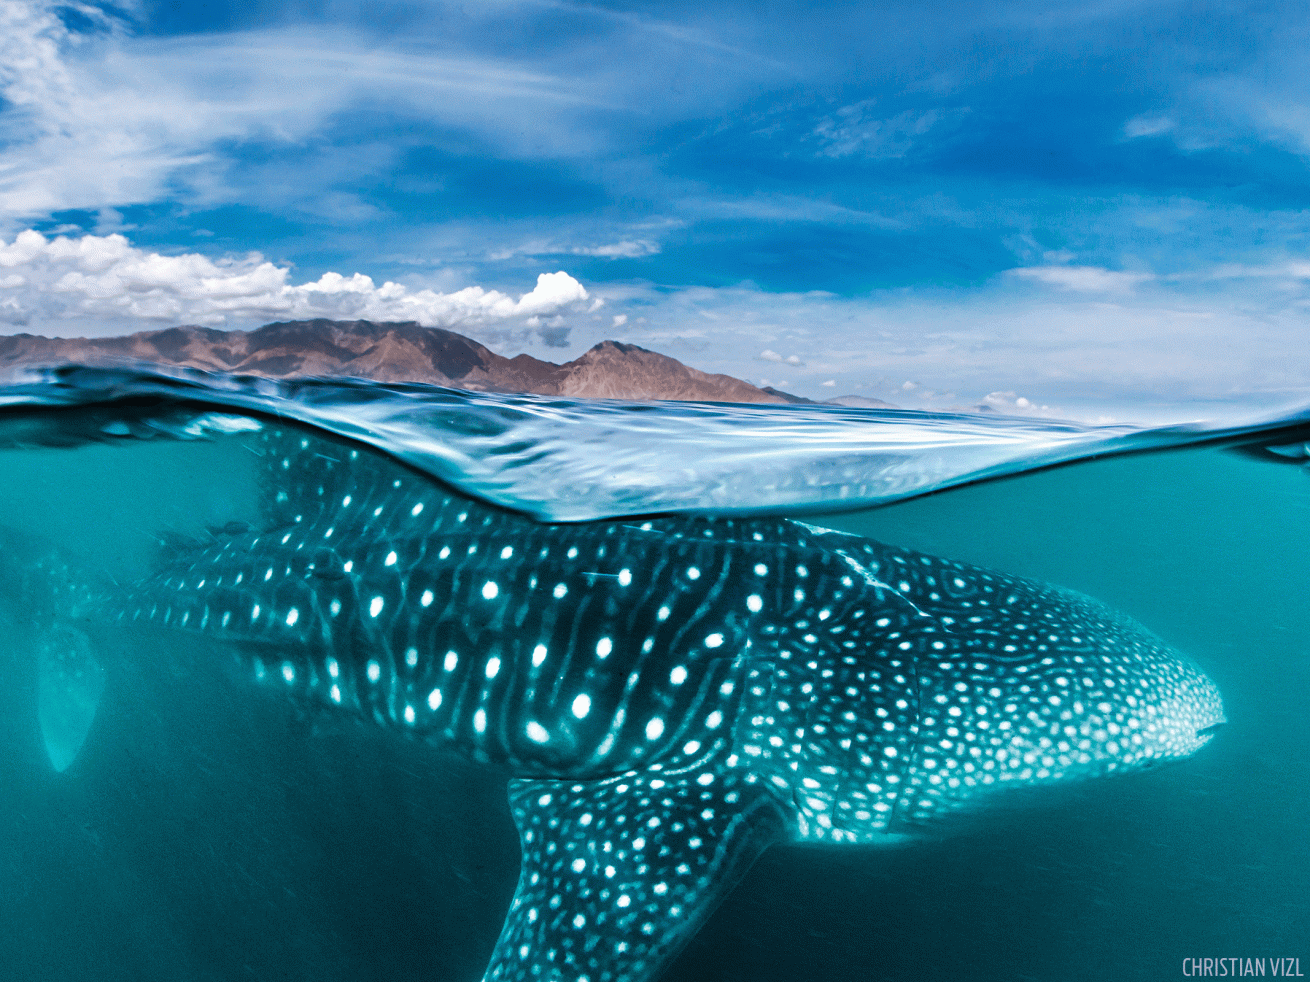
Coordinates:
(672, 694)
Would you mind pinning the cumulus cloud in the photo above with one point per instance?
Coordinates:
(1085, 279)
(768, 354)
(105, 282)
(1006, 401)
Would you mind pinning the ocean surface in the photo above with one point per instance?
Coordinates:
(209, 830)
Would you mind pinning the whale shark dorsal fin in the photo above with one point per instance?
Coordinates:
(69, 685)
(619, 874)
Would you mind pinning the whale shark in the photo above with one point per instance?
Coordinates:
(671, 695)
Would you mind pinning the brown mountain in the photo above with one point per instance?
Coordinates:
(396, 352)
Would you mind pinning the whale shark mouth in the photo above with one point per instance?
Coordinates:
(1212, 729)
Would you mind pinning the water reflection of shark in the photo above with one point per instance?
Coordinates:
(673, 695)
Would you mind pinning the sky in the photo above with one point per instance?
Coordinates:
(1096, 209)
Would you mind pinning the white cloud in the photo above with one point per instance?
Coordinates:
(857, 129)
(620, 320)
(623, 249)
(103, 284)
(1085, 279)
(1170, 350)
(627, 249)
(109, 119)
(1140, 126)
(1291, 269)
(1009, 402)
(830, 384)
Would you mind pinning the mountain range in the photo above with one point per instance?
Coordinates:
(403, 352)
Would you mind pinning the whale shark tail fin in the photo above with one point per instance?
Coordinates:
(69, 684)
(46, 595)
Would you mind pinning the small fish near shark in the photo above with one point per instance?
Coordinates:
(672, 695)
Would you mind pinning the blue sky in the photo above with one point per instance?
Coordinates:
(1098, 207)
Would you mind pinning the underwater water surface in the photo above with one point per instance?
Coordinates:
(210, 828)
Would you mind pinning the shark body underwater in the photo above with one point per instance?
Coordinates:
(670, 695)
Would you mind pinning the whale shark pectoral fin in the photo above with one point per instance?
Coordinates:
(69, 684)
(619, 874)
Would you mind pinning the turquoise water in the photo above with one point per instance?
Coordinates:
(210, 831)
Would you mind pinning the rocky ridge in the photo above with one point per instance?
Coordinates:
(399, 352)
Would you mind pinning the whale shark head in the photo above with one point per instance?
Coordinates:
(1055, 716)
(954, 684)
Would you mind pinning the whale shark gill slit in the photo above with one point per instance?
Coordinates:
(671, 695)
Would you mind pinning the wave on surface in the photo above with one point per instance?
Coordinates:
(566, 460)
